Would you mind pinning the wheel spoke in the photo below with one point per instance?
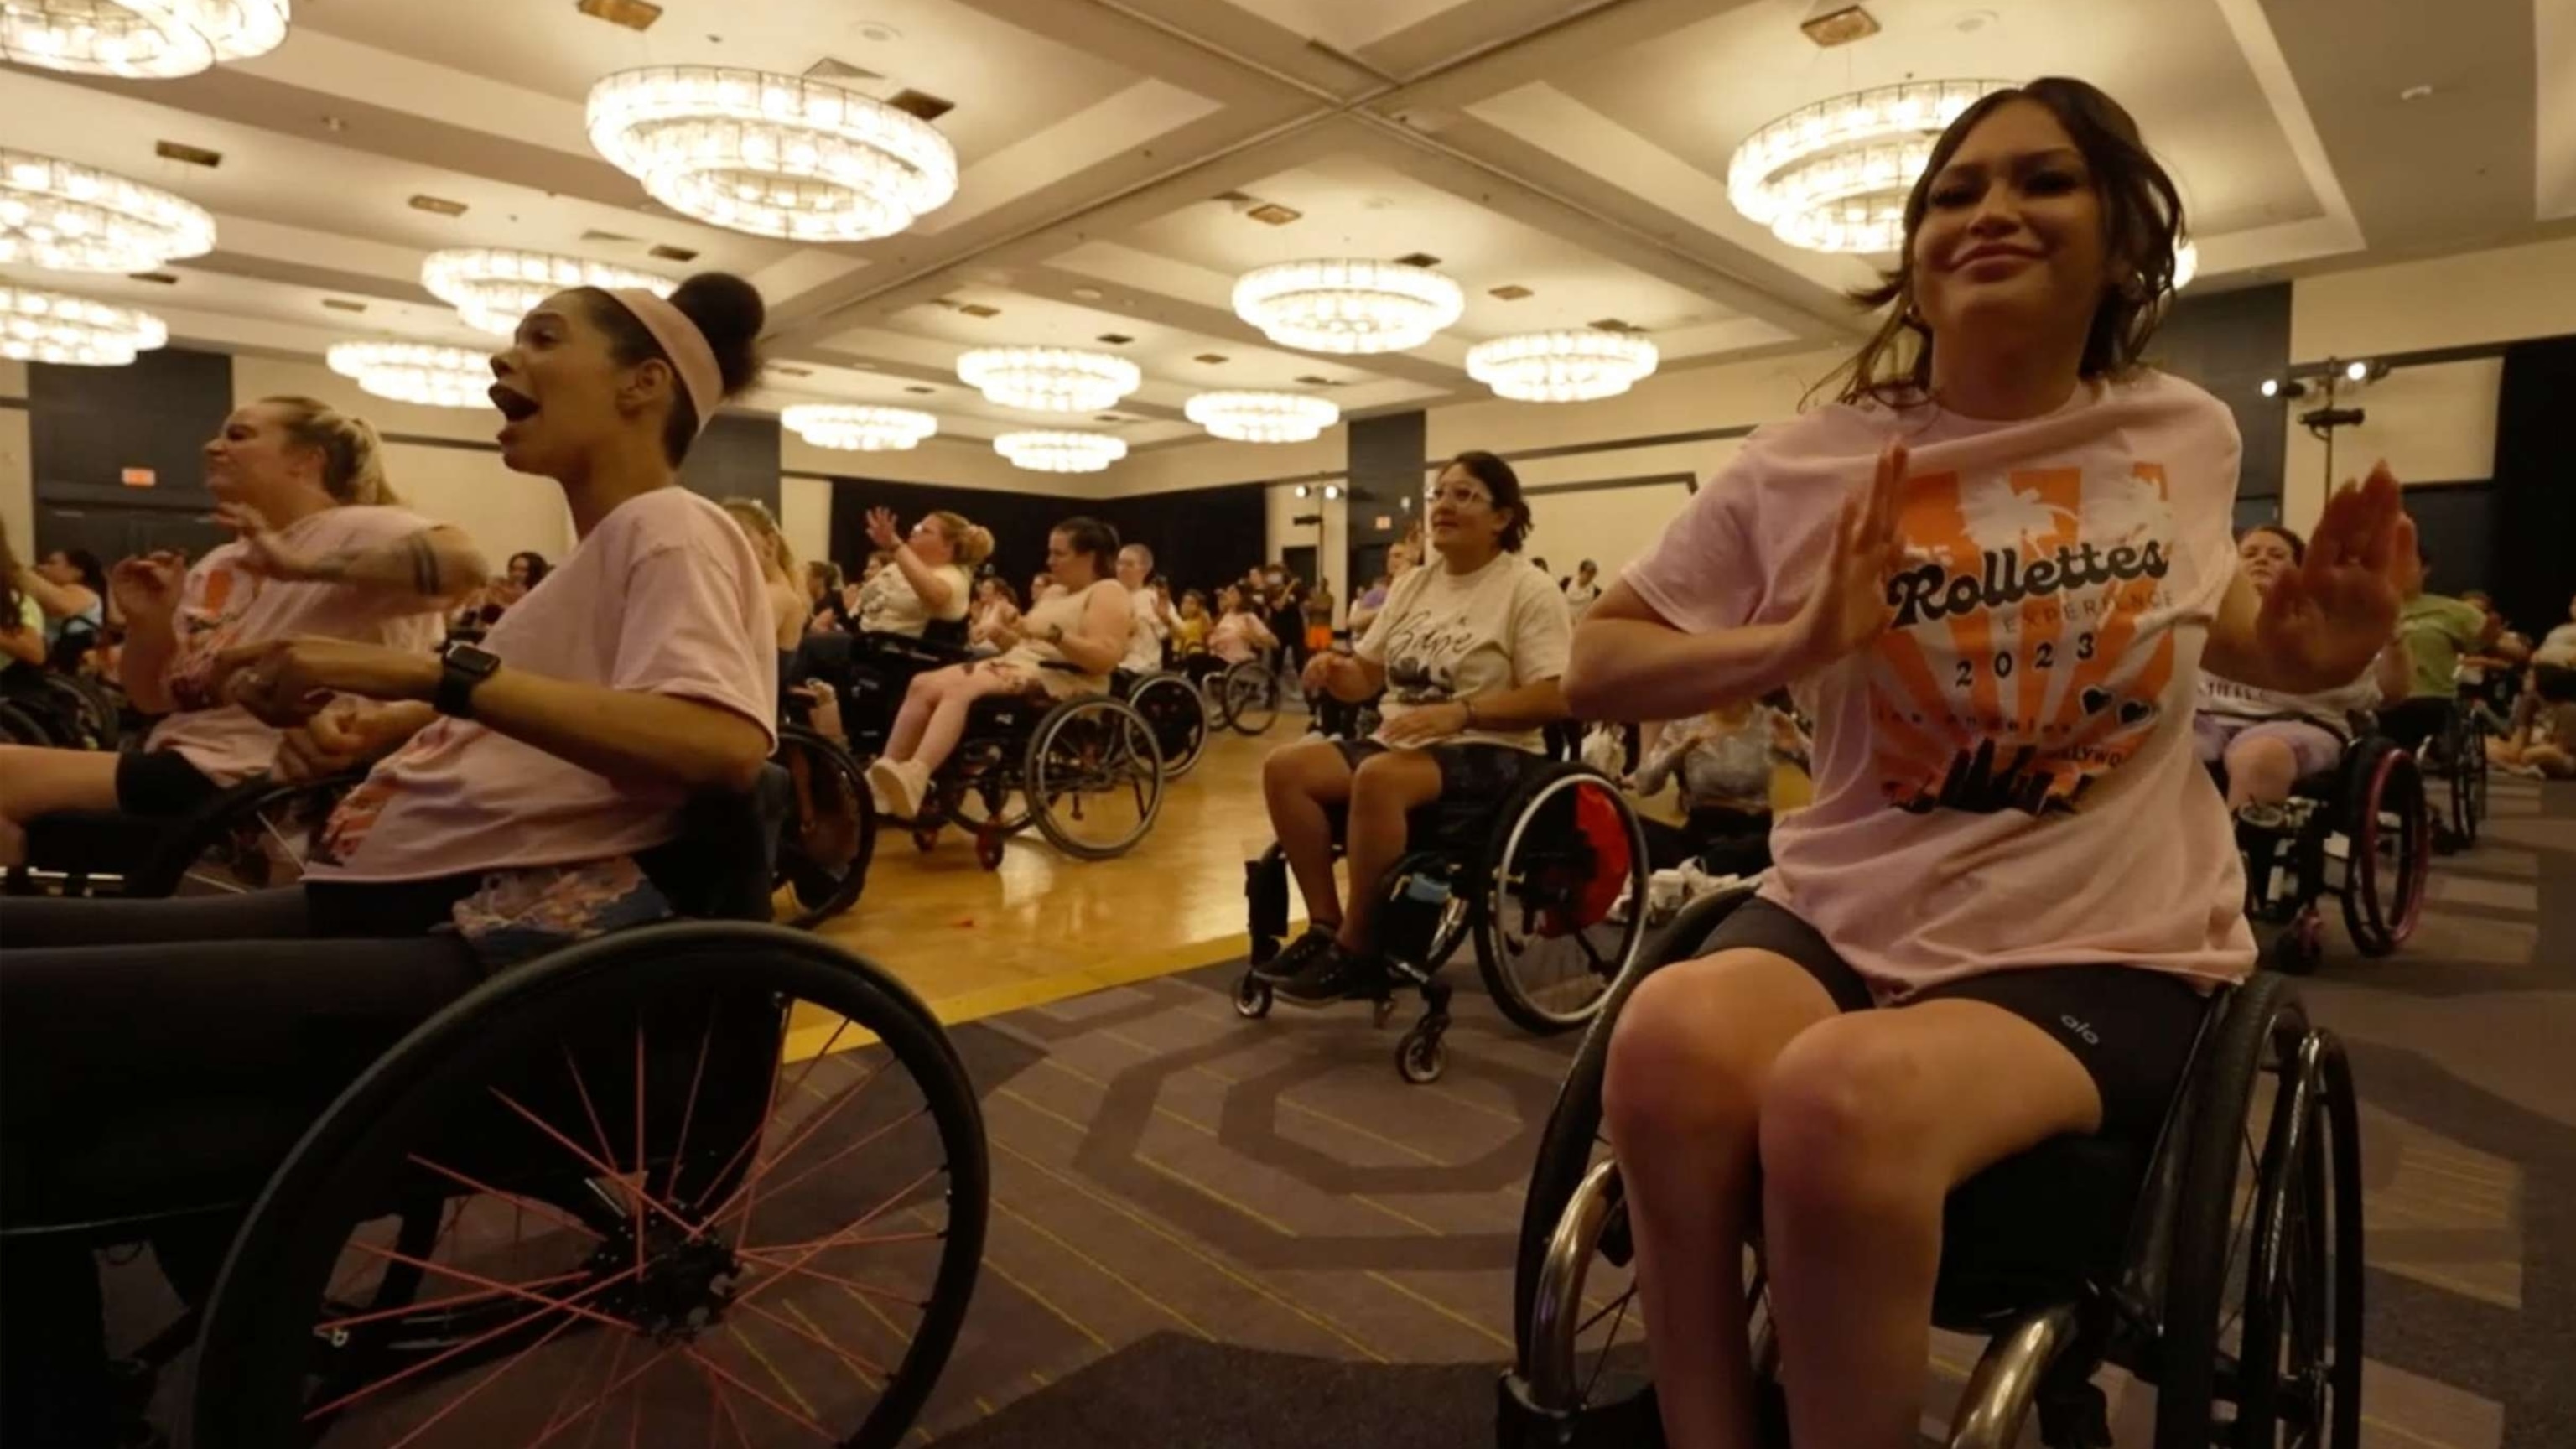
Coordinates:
(544, 1210)
(851, 1357)
(603, 1169)
(569, 1305)
(765, 1258)
(498, 1372)
(749, 1188)
(720, 1371)
(354, 1320)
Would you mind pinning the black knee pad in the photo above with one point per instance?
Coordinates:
(1265, 893)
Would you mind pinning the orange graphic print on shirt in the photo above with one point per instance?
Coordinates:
(206, 626)
(2031, 643)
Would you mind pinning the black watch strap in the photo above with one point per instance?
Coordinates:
(462, 670)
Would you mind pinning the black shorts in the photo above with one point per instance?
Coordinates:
(1471, 771)
(2133, 1029)
(161, 783)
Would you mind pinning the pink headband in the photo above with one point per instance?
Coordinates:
(684, 344)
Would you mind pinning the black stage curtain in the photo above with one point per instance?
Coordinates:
(2534, 558)
(1201, 537)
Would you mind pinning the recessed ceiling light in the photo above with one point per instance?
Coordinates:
(633, 14)
(1611, 324)
(1087, 294)
(2414, 93)
(1271, 213)
(1512, 292)
(978, 309)
(158, 279)
(334, 124)
(921, 105)
(1417, 259)
(192, 155)
(917, 387)
(1210, 358)
(879, 32)
(343, 304)
(673, 254)
(1114, 339)
(438, 205)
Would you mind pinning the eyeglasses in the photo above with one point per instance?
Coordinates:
(1460, 496)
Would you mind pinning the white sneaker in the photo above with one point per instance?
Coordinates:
(914, 780)
(891, 785)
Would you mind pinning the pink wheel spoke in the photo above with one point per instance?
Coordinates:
(581, 1089)
(841, 1239)
(555, 1415)
(760, 1168)
(599, 1401)
(485, 1382)
(508, 1290)
(845, 1150)
(851, 1357)
(720, 1371)
(870, 1290)
(602, 1168)
(379, 1315)
(689, 1110)
(643, 1169)
(544, 1210)
(836, 1239)
(732, 1420)
(777, 1068)
(552, 1305)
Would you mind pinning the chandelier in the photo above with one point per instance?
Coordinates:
(1561, 366)
(492, 288)
(144, 39)
(1348, 305)
(68, 218)
(1262, 417)
(1050, 452)
(413, 372)
(40, 326)
(856, 429)
(772, 155)
(1049, 379)
(1832, 177)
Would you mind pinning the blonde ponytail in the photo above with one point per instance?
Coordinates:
(353, 457)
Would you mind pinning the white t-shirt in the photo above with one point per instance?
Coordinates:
(888, 603)
(2557, 648)
(1444, 637)
(664, 596)
(2332, 710)
(1580, 596)
(1145, 637)
(2006, 777)
(223, 604)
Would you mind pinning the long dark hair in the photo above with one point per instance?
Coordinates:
(2142, 223)
(1505, 485)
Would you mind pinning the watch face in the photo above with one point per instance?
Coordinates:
(471, 659)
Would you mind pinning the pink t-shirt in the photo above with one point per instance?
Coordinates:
(663, 597)
(222, 604)
(2006, 777)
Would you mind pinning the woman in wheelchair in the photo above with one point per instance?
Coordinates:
(2267, 741)
(323, 550)
(1467, 653)
(782, 578)
(931, 576)
(1993, 571)
(997, 614)
(530, 784)
(1083, 624)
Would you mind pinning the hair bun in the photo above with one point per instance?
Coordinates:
(728, 312)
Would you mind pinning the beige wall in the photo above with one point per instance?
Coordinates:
(2432, 424)
(805, 516)
(505, 512)
(17, 468)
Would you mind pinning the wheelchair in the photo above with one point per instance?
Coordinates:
(719, 1175)
(56, 710)
(2361, 833)
(2222, 1265)
(1171, 703)
(252, 836)
(1086, 771)
(1536, 882)
(2458, 757)
(828, 836)
(1241, 697)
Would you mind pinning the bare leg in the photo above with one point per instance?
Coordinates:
(947, 716)
(2260, 770)
(1298, 783)
(1682, 1099)
(37, 782)
(1867, 1122)
(1383, 790)
(919, 698)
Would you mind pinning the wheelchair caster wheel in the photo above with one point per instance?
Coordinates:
(1421, 1057)
(925, 838)
(988, 850)
(2301, 946)
(1251, 997)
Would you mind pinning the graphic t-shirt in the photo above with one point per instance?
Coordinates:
(665, 597)
(1445, 637)
(1145, 636)
(222, 604)
(2437, 632)
(2005, 778)
(888, 604)
(2332, 710)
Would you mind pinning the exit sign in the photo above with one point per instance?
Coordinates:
(138, 477)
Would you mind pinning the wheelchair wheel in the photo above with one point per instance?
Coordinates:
(1094, 777)
(1547, 942)
(254, 837)
(2263, 1300)
(2468, 762)
(1179, 718)
(1251, 694)
(983, 792)
(830, 834)
(726, 1179)
(2389, 844)
(18, 727)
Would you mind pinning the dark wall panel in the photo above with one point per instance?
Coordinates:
(1386, 468)
(2458, 526)
(2535, 550)
(87, 425)
(737, 457)
(2228, 342)
(1201, 537)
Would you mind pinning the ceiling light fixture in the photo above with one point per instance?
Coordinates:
(2186, 264)
(142, 39)
(69, 218)
(1561, 366)
(39, 326)
(493, 287)
(412, 372)
(1262, 417)
(856, 429)
(1049, 379)
(1832, 177)
(1349, 305)
(1052, 452)
(771, 155)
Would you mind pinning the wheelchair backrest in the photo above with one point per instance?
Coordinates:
(944, 634)
(723, 864)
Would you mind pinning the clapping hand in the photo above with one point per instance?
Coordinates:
(881, 529)
(265, 551)
(285, 682)
(2330, 614)
(147, 587)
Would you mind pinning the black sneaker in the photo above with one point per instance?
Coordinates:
(1301, 953)
(1333, 975)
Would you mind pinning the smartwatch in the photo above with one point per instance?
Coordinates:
(462, 670)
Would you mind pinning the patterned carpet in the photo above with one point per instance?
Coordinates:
(1215, 1232)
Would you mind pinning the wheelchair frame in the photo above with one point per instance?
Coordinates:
(252, 828)
(1010, 748)
(2080, 1252)
(2333, 837)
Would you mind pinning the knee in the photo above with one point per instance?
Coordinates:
(1395, 782)
(1296, 770)
(1838, 1112)
(2262, 757)
(1677, 1066)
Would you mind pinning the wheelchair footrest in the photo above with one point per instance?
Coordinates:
(1630, 1421)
